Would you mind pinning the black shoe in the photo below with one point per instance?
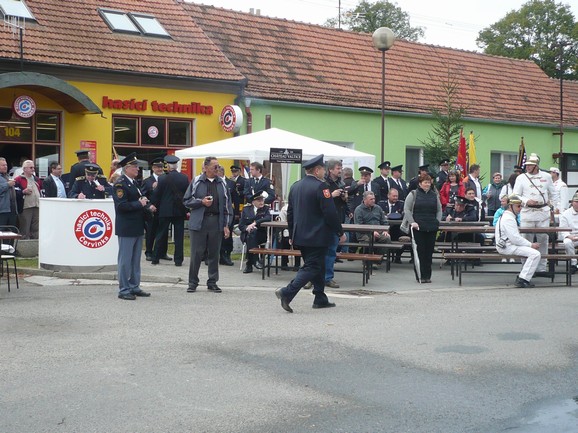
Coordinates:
(142, 293)
(227, 260)
(248, 269)
(284, 301)
(522, 284)
(573, 269)
(191, 289)
(214, 288)
(165, 257)
(149, 257)
(127, 296)
(338, 261)
(154, 262)
(326, 305)
(178, 264)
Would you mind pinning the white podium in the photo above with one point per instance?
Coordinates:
(77, 235)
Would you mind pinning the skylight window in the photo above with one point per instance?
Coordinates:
(15, 8)
(118, 21)
(149, 25)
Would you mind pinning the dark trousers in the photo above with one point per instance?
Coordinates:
(208, 239)
(152, 227)
(287, 246)
(313, 270)
(425, 242)
(227, 244)
(163, 235)
(8, 219)
(253, 240)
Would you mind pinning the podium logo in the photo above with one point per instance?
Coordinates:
(93, 228)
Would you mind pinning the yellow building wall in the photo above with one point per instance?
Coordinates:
(94, 127)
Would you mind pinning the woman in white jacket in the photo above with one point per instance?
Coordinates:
(510, 242)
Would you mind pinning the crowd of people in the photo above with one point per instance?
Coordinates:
(327, 197)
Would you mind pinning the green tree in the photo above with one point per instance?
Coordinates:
(367, 17)
(443, 140)
(543, 31)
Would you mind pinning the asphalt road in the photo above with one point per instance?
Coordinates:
(76, 359)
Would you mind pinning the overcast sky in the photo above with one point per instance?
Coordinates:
(450, 23)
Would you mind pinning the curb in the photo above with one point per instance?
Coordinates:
(96, 276)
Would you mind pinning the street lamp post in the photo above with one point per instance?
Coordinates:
(383, 39)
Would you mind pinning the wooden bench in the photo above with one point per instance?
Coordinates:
(366, 259)
(462, 259)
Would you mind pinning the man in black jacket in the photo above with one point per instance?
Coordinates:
(252, 234)
(53, 185)
(313, 222)
(168, 199)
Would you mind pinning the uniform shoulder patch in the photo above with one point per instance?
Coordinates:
(120, 192)
(326, 193)
(80, 178)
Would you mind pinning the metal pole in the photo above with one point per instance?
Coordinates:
(382, 106)
(561, 100)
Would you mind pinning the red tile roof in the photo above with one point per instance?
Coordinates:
(73, 33)
(291, 61)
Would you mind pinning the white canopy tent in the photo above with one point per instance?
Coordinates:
(256, 147)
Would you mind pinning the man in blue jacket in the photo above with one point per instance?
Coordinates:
(313, 222)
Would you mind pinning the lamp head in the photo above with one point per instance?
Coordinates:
(383, 38)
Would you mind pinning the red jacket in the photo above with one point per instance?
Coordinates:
(445, 193)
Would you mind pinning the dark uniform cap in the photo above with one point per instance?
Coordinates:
(397, 168)
(394, 216)
(257, 196)
(235, 168)
(91, 168)
(445, 162)
(81, 152)
(423, 167)
(365, 170)
(384, 164)
(172, 159)
(129, 159)
(461, 200)
(313, 162)
(157, 162)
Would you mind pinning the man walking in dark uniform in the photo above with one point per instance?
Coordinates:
(77, 170)
(313, 221)
(129, 206)
(168, 199)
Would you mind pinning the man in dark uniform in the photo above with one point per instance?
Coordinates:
(227, 243)
(77, 170)
(152, 224)
(168, 199)
(251, 231)
(237, 197)
(393, 209)
(382, 181)
(359, 187)
(442, 176)
(396, 181)
(313, 221)
(130, 207)
(413, 183)
(257, 183)
(91, 185)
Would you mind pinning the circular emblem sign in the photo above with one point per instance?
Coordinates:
(93, 228)
(153, 132)
(24, 106)
(231, 118)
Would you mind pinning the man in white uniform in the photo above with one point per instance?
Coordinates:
(537, 192)
(510, 242)
(569, 218)
(562, 204)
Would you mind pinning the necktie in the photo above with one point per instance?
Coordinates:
(366, 187)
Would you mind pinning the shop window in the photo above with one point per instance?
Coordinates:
(152, 131)
(16, 130)
(48, 127)
(125, 130)
(45, 154)
(179, 133)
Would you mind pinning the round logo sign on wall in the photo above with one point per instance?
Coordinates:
(93, 228)
(231, 118)
(24, 106)
(153, 132)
